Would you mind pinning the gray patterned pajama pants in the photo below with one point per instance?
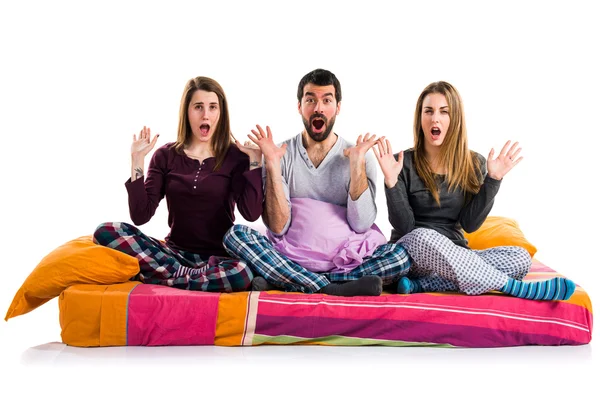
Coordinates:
(439, 265)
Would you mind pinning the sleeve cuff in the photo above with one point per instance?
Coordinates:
(135, 188)
(488, 179)
(254, 176)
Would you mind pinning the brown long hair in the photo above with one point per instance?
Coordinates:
(461, 164)
(221, 139)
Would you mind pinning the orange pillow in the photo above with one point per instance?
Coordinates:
(77, 261)
(499, 231)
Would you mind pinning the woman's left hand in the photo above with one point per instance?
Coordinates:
(506, 160)
(253, 152)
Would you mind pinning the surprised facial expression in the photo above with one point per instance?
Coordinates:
(435, 119)
(318, 108)
(203, 114)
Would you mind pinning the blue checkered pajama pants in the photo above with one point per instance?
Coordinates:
(389, 261)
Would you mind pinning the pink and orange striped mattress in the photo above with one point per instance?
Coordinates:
(135, 314)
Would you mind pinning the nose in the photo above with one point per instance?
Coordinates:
(319, 108)
(435, 117)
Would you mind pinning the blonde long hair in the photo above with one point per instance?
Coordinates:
(221, 139)
(461, 164)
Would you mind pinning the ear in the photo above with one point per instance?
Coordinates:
(299, 109)
(338, 106)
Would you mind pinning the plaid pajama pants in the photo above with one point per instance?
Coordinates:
(162, 265)
(389, 261)
(439, 265)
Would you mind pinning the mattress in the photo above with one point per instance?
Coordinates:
(136, 314)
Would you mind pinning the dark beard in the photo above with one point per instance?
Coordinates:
(318, 137)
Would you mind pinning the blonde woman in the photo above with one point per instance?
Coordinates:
(439, 188)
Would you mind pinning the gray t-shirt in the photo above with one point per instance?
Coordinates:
(330, 182)
(411, 205)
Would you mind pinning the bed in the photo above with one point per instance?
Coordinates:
(100, 306)
(135, 314)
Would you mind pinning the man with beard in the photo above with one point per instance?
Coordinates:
(319, 207)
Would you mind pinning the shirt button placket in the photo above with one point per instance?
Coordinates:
(197, 173)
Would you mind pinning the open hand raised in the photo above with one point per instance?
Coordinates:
(362, 146)
(505, 161)
(264, 141)
(253, 151)
(142, 145)
(387, 162)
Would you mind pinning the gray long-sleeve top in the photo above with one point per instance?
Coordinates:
(330, 182)
(411, 205)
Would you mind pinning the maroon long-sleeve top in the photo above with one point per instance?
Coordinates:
(200, 201)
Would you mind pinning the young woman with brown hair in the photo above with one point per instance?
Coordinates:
(203, 175)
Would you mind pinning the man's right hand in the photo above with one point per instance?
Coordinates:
(264, 140)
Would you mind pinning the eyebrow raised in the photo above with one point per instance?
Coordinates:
(314, 95)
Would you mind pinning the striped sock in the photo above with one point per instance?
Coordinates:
(552, 289)
(408, 286)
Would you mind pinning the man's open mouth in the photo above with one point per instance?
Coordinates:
(318, 123)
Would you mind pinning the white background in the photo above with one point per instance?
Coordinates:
(78, 80)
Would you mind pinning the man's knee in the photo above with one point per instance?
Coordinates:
(232, 235)
(237, 235)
